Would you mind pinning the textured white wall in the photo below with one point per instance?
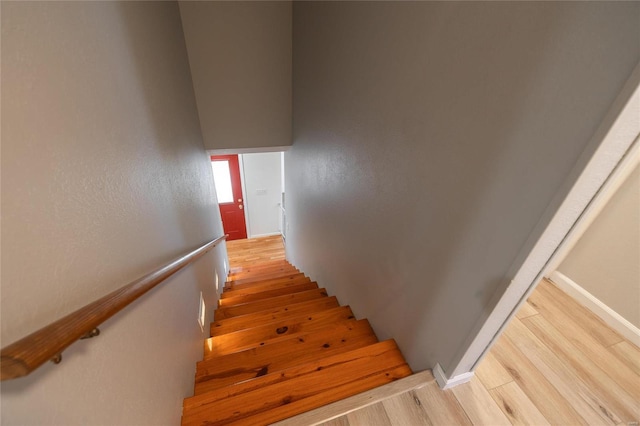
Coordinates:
(240, 56)
(429, 138)
(262, 181)
(104, 178)
(606, 259)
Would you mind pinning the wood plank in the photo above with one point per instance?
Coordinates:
(221, 371)
(491, 373)
(625, 406)
(334, 394)
(244, 321)
(200, 404)
(281, 394)
(255, 250)
(548, 400)
(627, 353)
(263, 264)
(555, 302)
(449, 410)
(478, 404)
(526, 310)
(274, 302)
(356, 402)
(405, 409)
(259, 288)
(591, 407)
(372, 415)
(274, 331)
(517, 406)
(276, 280)
(260, 270)
(583, 334)
(258, 278)
(252, 297)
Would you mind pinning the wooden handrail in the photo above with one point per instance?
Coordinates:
(22, 357)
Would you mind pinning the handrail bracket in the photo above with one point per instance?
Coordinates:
(93, 333)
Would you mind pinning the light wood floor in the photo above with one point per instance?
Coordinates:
(251, 251)
(556, 363)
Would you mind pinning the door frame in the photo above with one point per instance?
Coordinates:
(241, 183)
(608, 146)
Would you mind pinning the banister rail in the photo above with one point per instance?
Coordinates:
(25, 355)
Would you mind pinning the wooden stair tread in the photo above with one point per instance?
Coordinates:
(261, 305)
(233, 285)
(244, 321)
(308, 381)
(273, 331)
(260, 271)
(228, 369)
(287, 373)
(334, 394)
(221, 350)
(262, 277)
(264, 286)
(263, 264)
(252, 297)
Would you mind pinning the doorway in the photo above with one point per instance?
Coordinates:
(250, 189)
(226, 176)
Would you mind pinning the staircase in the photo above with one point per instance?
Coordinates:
(281, 346)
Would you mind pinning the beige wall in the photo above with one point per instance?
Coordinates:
(429, 138)
(606, 259)
(240, 56)
(104, 178)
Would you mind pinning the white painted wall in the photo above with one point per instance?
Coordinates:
(262, 184)
(240, 56)
(429, 138)
(104, 178)
(606, 260)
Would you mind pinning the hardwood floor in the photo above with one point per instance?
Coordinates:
(256, 250)
(556, 363)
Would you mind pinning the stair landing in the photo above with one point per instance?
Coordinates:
(281, 346)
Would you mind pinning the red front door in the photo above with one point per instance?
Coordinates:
(226, 173)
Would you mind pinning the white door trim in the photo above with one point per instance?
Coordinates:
(612, 140)
(244, 196)
(600, 200)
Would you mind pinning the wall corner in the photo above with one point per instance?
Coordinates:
(447, 383)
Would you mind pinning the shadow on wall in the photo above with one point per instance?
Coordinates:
(169, 129)
(428, 140)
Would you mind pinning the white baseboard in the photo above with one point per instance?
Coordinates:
(608, 315)
(270, 234)
(446, 383)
